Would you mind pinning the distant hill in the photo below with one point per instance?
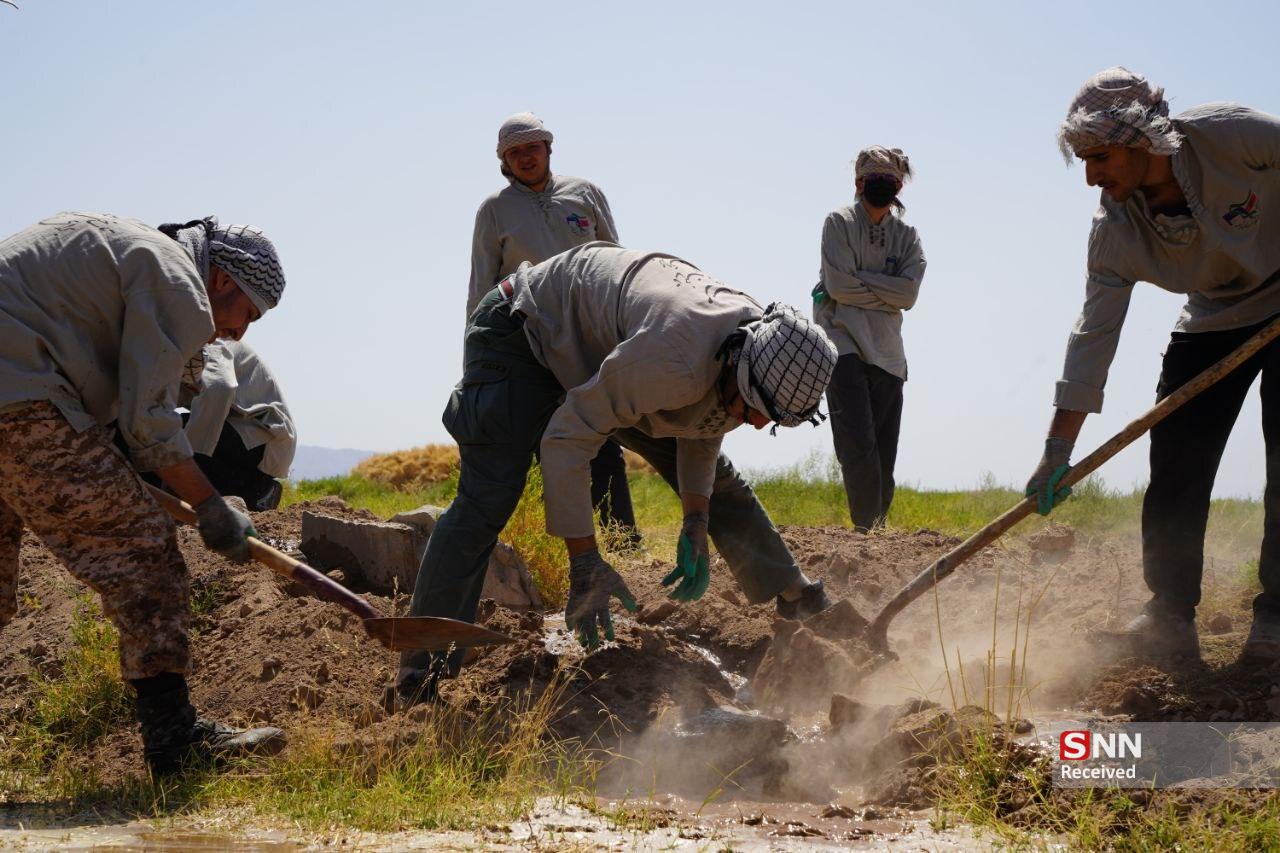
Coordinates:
(313, 463)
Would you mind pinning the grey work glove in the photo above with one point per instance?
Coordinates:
(591, 583)
(1054, 465)
(224, 529)
(693, 559)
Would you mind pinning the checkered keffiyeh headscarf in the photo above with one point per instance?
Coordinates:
(249, 257)
(878, 160)
(519, 129)
(785, 366)
(1118, 107)
(241, 251)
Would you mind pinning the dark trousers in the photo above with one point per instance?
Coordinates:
(497, 415)
(233, 470)
(610, 493)
(1186, 448)
(866, 415)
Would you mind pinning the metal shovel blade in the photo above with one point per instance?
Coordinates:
(429, 633)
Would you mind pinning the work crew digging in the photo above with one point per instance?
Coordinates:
(601, 341)
(539, 215)
(1183, 207)
(98, 317)
(872, 266)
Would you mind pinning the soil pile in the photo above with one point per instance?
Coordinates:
(717, 692)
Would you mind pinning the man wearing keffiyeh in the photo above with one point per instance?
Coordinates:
(99, 317)
(1184, 206)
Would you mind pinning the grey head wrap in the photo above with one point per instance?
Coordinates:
(241, 251)
(519, 129)
(784, 365)
(1118, 107)
(878, 160)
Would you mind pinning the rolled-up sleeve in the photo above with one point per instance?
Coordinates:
(639, 377)
(166, 322)
(1092, 345)
(486, 257)
(840, 270)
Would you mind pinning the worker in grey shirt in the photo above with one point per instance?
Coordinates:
(98, 316)
(872, 265)
(1183, 206)
(240, 428)
(602, 341)
(536, 216)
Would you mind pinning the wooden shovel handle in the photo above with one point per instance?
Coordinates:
(950, 561)
(279, 562)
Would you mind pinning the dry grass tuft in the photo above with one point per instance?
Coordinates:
(413, 469)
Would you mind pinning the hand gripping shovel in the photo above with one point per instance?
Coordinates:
(398, 633)
(878, 632)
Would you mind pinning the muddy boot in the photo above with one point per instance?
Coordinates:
(1263, 646)
(812, 601)
(1158, 635)
(172, 733)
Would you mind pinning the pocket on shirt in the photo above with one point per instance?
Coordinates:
(479, 409)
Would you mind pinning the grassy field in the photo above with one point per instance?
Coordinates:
(459, 776)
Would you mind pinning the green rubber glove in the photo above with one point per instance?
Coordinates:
(693, 560)
(819, 294)
(592, 581)
(1054, 465)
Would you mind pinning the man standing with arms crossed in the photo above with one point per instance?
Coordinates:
(1185, 207)
(872, 266)
(539, 215)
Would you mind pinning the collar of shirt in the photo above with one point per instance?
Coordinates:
(551, 185)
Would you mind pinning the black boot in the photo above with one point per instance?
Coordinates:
(812, 601)
(173, 734)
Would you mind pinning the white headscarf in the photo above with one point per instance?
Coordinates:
(1118, 107)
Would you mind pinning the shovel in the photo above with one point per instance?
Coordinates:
(398, 633)
(878, 632)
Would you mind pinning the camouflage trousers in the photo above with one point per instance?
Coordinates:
(76, 492)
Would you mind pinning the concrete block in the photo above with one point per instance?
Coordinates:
(385, 555)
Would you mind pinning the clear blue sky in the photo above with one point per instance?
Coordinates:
(360, 136)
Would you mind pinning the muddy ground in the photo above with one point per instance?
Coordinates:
(718, 694)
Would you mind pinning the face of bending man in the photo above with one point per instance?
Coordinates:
(232, 308)
(529, 163)
(1117, 170)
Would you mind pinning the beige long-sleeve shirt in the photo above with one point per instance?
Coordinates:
(632, 336)
(237, 388)
(517, 225)
(98, 315)
(871, 273)
(1225, 255)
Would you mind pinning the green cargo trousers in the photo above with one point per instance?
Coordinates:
(497, 414)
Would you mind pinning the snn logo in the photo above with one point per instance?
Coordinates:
(1082, 745)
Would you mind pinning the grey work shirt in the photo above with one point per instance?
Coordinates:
(99, 315)
(1225, 256)
(871, 273)
(517, 225)
(237, 388)
(632, 336)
